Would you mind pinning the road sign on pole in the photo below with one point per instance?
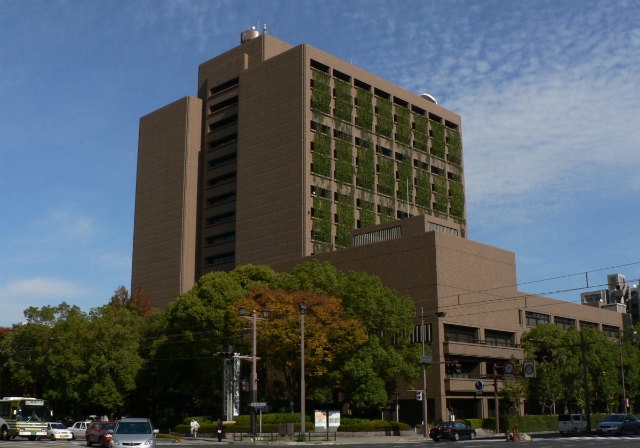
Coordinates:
(259, 405)
(529, 368)
(508, 369)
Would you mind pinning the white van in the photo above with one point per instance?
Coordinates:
(571, 423)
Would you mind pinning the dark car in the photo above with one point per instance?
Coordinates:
(452, 431)
(100, 433)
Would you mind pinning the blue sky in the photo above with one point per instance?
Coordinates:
(548, 91)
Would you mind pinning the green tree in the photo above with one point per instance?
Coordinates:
(330, 338)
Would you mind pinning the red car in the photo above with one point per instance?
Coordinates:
(100, 433)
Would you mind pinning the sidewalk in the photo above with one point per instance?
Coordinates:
(342, 438)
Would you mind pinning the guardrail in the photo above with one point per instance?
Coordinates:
(274, 436)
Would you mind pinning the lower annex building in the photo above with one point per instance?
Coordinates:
(289, 154)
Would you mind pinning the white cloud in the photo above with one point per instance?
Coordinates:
(18, 295)
(41, 288)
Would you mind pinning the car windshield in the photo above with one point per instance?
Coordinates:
(613, 418)
(133, 428)
(107, 426)
(58, 426)
(564, 418)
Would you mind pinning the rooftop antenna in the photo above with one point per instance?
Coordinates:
(263, 35)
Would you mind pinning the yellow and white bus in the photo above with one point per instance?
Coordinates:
(23, 417)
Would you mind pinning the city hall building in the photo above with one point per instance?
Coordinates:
(288, 154)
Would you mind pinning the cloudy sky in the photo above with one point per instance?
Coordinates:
(548, 91)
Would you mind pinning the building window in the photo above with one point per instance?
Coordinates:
(498, 338)
(457, 333)
(231, 119)
(220, 219)
(535, 319)
(585, 324)
(223, 104)
(421, 333)
(222, 238)
(221, 179)
(224, 198)
(228, 257)
(319, 191)
(564, 322)
(224, 141)
(611, 332)
(224, 86)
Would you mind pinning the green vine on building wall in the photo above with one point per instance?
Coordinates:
(366, 175)
(344, 100)
(344, 161)
(456, 198)
(385, 117)
(386, 176)
(403, 125)
(441, 203)
(405, 175)
(387, 213)
(322, 220)
(367, 210)
(364, 112)
(321, 94)
(423, 189)
(440, 183)
(346, 223)
(455, 147)
(421, 132)
(321, 157)
(437, 141)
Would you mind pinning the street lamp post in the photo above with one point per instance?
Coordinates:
(254, 372)
(425, 424)
(302, 385)
(624, 392)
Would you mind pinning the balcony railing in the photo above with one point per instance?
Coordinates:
(481, 348)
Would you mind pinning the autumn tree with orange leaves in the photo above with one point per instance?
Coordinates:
(330, 337)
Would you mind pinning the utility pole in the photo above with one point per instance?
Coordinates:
(254, 372)
(587, 405)
(302, 383)
(496, 405)
(425, 411)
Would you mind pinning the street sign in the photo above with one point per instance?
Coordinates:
(509, 368)
(259, 405)
(529, 368)
(426, 359)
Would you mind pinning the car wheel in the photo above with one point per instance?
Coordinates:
(52, 437)
(435, 439)
(4, 433)
(88, 442)
(456, 437)
(472, 435)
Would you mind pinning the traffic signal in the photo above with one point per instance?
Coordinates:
(225, 355)
(419, 395)
(457, 367)
(548, 355)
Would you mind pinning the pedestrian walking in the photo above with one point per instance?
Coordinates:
(194, 428)
(220, 430)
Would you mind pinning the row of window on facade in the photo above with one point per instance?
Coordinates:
(364, 143)
(316, 65)
(533, 319)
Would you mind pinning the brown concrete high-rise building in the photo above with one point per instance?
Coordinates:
(284, 152)
(289, 153)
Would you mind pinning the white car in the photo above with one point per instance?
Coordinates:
(57, 431)
(79, 430)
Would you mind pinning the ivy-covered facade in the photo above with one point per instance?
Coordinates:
(396, 158)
